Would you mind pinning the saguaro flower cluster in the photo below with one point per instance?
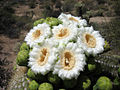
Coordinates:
(60, 46)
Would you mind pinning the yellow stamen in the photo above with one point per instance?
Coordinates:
(44, 53)
(36, 34)
(68, 60)
(90, 40)
(64, 32)
(73, 19)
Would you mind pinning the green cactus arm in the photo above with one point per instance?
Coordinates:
(24, 46)
(22, 58)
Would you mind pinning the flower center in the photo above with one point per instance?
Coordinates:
(43, 56)
(68, 60)
(36, 34)
(64, 32)
(73, 19)
(90, 40)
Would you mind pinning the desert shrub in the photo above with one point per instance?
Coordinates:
(117, 7)
(10, 24)
(47, 10)
(100, 12)
(101, 1)
(52, 8)
(6, 19)
(32, 4)
(68, 5)
(7, 25)
(8, 8)
(79, 8)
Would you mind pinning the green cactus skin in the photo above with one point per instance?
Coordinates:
(103, 83)
(31, 74)
(22, 58)
(33, 85)
(91, 67)
(45, 86)
(40, 21)
(54, 79)
(24, 46)
(20, 83)
(70, 83)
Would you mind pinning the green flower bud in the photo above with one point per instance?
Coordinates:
(59, 21)
(45, 86)
(24, 46)
(91, 67)
(40, 21)
(106, 46)
(53, 21)
(62, 89)
(31, 74)
(22, 58)
(33, 85)
(70, 83)
(54, 79)
(86, 84)
(83, 83)
(103, 83)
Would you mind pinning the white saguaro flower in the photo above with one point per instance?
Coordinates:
(68, 18)
(62, 34)
(91, 41)
(38, 34)
(70, 62)
(42, 58)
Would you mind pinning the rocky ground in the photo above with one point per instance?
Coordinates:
(8, 51)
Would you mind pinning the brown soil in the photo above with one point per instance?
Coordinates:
(8, 51)
(8, 46)
(101, 19)
(25, 10)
